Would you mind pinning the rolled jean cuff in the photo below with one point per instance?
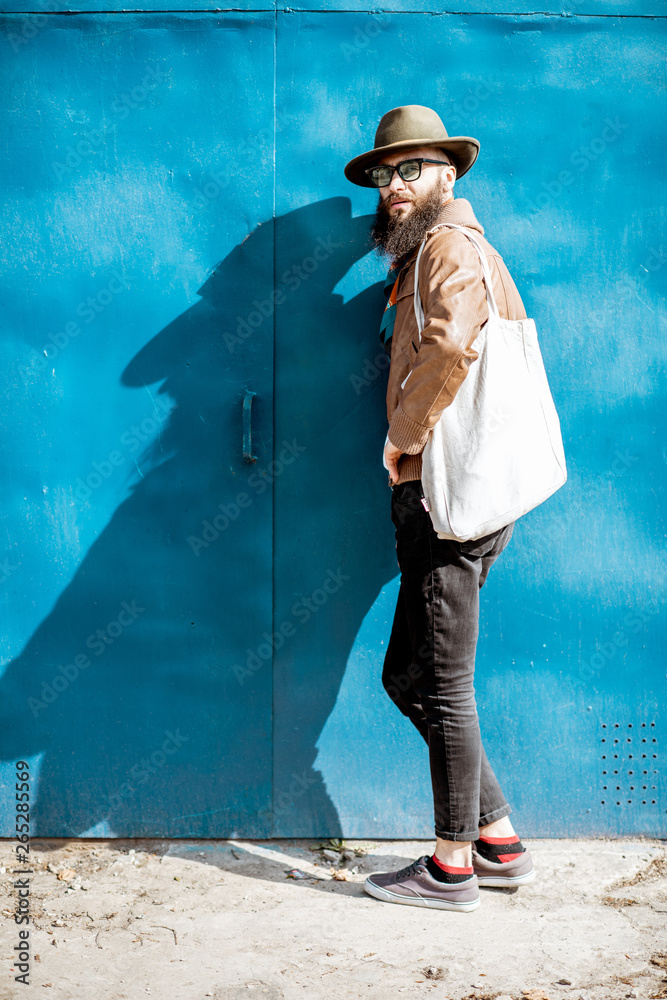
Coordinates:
(467, 837)
(496, 814)
(474, 834)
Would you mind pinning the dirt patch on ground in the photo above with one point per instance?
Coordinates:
(655, 870)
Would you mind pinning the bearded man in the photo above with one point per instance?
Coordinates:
(429, 665)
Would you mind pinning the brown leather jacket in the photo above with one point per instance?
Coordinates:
(454, 301)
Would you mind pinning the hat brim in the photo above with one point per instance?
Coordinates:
(462, 148)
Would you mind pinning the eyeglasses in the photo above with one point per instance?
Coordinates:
(407, 170)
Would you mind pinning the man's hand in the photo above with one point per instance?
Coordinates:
(391, 457)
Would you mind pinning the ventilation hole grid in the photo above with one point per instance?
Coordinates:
(614, 751)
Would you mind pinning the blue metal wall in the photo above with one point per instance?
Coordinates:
(192, 644)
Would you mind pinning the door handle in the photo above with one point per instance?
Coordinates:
(247, 426)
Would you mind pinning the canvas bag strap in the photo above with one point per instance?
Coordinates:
(488, 284)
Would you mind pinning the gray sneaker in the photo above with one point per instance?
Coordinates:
(415, 886)
(503, 874)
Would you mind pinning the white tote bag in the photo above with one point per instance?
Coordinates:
(496, 451)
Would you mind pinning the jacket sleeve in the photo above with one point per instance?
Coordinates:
(454, 301)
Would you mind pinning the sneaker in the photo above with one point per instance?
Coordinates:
(503, 874)
(415, 886)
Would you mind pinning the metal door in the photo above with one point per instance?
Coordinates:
(570, 670)
(137, 537)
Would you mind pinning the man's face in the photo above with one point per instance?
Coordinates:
(399, 197)
(408, 209)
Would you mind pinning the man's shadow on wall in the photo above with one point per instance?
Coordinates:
(158, 735)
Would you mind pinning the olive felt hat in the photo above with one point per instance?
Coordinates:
(409, 127)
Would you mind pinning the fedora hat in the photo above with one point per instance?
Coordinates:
(409, 127)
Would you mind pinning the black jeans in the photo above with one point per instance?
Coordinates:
(430, 661)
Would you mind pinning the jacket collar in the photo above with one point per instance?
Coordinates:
(459, 211)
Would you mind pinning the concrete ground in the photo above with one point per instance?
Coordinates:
(185, 920)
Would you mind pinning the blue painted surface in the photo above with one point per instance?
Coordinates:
(567, 8)
(610, 8)
(125, 444)
(539, 100)
(260, 648)
(37, 11)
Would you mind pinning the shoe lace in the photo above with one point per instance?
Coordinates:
(411, 869)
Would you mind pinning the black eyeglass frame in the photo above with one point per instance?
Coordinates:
(413, 159)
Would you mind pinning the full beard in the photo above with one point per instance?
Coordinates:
(396, 235)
